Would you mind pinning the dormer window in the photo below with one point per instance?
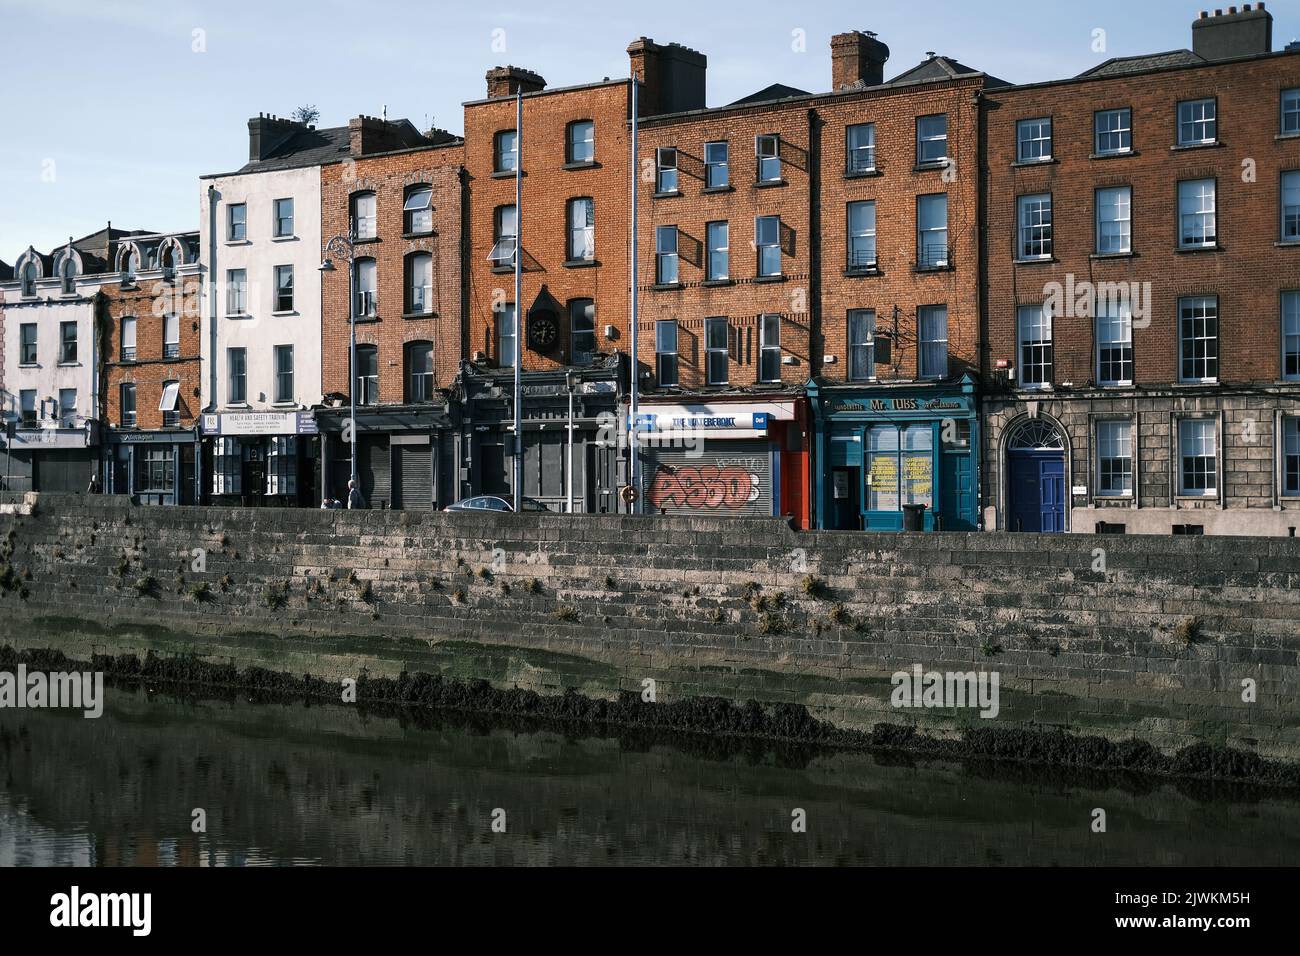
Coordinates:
(167, 260)
(68, 275)
(128, 266)
(29, 280)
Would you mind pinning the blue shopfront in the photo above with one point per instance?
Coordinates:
(881, 450)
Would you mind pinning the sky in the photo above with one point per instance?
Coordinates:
(115, 108)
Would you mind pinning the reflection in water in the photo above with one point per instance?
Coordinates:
(297, 784)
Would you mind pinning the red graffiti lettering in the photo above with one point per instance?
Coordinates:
(707, 486)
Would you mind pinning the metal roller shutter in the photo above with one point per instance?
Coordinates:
(374, 470)
(729, 478)
(413, 477)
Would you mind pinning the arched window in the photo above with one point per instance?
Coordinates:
(1035, 434)
(29, 279)
(417, 211)
(68, 275)
(167, 260)
(419, 372)
(419, 284)
(130, 262)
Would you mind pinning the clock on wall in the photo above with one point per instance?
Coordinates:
(542, 330)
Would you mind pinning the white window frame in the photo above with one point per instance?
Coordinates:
(283, 395)
(861, 353)
(711, 350)
(1205, 303)
(1113, 330)
(278, 274)
(1122, 130)
(1204, 428)
(1289, 123)
(923, 139)
(926, 233)
(237, 227)
(723, 250)
(232, 378)
(666, 169)
(236, 292)
(365, 215)
(667, 264)
(767, 158)
(505, 334)
(1034, 140)
(1114, 436)
(769, 346)
(1199, 115)
(1289, 443)
(663, 355)
(127, 419)
(582, 238)
(864, 235)
(584, 145)
(417, 210)
(1195, 220)
(419, 294)
(927, 341)
(1034, 230)
(1289, 189)
(713, 164)
(504, 241)
(1289, 308)
(278, 218)
(1122, 220)
(505, 160)
(127, 351)
(762, 245)
(1035, 319)
(167, 404)
(860, 158)
(171, 335)
(365, 288)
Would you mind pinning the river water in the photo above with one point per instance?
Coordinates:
(331, 785)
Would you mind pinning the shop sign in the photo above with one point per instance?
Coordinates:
(900, 405)
(259, 423)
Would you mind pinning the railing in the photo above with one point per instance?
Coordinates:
(934, 256)
(862, 259)
(862, 159)
(128, 354)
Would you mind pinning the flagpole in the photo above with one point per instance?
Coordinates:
(634, 466)
(519, 351)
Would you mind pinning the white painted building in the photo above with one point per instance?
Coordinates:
(260, 243)
(50, 398)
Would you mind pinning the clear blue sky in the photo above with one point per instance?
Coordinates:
(112, 93)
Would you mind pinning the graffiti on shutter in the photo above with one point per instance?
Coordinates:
(729, 478)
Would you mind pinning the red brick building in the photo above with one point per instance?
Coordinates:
(797, 244)
(398, 196)
(149, 321)
(572, 150)
(1143, 296)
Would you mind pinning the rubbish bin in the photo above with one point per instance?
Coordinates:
(913, 517)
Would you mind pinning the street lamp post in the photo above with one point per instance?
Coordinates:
(341, 248)
(571, 383)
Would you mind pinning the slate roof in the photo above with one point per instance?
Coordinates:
(6, 271)
(940, 68)
(777, 91)
(306, 147)
(1119, 65)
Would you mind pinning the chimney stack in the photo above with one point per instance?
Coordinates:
(371, 134)
(857, 59)
(672, 76)
(507, 80)
(1225, 35)
(266, 133)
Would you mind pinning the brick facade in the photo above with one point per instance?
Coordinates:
(1245, 271)
(549, 182)
(148, 301)
(397, 322)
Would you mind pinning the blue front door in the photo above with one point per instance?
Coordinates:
(1037, 488)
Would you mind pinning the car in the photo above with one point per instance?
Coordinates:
(494, 503)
